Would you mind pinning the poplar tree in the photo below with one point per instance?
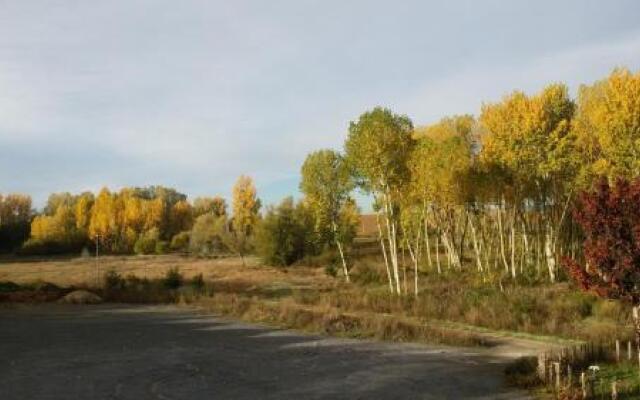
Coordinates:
(326, 184)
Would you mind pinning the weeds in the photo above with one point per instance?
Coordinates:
(173, 279)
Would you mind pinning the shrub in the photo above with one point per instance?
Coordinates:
(180, 241)
(522, 372)
(147, 242)
(113, 281)
(173, 278)
(161, 247)
(197, 282)
(284, 235)
(7, 287)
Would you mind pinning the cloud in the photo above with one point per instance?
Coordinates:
(466, 89)
(192, 95)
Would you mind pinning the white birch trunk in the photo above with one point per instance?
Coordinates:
(384, 252)
(476, 248)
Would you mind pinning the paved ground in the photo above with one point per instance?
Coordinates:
(126, 352)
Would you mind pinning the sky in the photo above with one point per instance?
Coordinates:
(191, 94)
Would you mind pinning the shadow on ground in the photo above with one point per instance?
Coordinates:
(158, 352)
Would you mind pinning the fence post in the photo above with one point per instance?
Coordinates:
(583, 383)
(629, 350)
(614, 390)
(557, 371)
(542, 366)
(617, 351)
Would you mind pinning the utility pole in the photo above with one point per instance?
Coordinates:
(97, 238)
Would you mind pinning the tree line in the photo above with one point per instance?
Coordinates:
(492, 192)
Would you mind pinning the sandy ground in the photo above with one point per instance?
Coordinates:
(161, 352)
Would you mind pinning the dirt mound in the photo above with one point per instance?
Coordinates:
(81, 297)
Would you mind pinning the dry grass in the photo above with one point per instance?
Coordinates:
(299, 296)
(224, 271)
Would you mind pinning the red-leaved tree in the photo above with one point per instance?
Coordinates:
(610, 220)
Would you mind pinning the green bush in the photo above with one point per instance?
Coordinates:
(8, 287)
(284, 234)
(147, 242)
(173, 278)
(161, 247)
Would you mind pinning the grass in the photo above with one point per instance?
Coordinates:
(457, 304)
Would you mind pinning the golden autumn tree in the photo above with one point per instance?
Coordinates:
(209, 205)
(529, 139)
(607, 126)
(102, 226)
(439, 165)
(245, 204)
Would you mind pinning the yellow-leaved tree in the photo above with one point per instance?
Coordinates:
(245, 205)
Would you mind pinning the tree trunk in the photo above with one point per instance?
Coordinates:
(344, 262)
(548, 250)
(438, 254)
(392, 237)
(476, 248)
(636, 325)
(513, 246)
(384, 252)
(501, 233)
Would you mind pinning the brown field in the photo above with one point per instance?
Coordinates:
(89, 272)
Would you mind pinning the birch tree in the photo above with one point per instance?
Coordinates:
(529, 138)
(377, 149)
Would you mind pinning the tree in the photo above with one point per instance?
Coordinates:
(15, 220)
(529, 138)
(439, 165)
(281, 236)
(102, 226)
(214, 205)
(245, 205)
(206, 235)
(245, 216)
(377, 150)
(610, 220)
(326, 183)
(607, 126)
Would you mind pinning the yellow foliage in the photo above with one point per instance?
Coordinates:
(245, 204)
(608, 125)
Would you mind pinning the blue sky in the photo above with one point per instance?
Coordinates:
(191, 94)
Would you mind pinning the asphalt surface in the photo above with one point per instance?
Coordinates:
(142, 352)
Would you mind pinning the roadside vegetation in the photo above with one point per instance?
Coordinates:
(522, 221)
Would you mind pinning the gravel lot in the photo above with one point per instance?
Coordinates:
(158, 352)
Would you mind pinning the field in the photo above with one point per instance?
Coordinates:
(452, 309)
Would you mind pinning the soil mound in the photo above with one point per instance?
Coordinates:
(81, 297)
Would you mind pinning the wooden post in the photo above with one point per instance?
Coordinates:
(583, 383)
(617, 351)
(614, 390)
(556, 366)
(569, 373)
(542, 366)
(629, 350)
